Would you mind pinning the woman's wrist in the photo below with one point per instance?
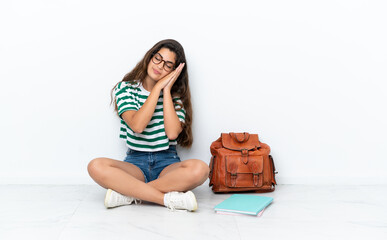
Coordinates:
(166, 91)
(157, 89)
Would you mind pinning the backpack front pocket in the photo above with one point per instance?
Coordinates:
(242, 173)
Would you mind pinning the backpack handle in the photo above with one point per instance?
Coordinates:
(240, 137)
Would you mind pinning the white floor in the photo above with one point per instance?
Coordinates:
(298, 212)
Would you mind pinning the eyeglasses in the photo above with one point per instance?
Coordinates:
(157, 59)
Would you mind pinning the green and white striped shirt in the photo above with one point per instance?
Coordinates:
(153, 138)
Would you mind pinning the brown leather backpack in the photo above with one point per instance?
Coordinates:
(241, 163)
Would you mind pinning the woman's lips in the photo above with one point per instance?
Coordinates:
(156, 72)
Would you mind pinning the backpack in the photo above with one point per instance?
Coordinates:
(241, 163)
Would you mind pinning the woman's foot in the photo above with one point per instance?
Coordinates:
(115, 199)
(181, 201)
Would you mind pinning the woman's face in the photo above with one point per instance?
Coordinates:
(161, 64)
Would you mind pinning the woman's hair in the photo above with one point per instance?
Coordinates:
(179, 89)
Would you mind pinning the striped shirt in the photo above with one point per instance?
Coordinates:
(153, 138)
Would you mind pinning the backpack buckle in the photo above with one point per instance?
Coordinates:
(245, 155)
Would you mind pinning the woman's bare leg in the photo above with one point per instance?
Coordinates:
(181, 176)
(124, 178)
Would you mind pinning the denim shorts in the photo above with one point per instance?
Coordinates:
(152, 163)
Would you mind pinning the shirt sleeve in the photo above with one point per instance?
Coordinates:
(125, 98)
(180, 111)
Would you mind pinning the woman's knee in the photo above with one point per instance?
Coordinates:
(96, 167)
(199, 170)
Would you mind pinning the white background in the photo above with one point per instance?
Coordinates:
(308, 76)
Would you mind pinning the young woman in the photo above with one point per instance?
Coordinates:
(154, 105)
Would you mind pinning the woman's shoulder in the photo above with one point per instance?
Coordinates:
(127, 86)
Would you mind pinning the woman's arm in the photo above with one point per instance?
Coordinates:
(171, 120)
(138, 120)
(172, 123)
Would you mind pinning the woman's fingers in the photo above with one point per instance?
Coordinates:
(168, 78)
(171, 78)
(178, 71)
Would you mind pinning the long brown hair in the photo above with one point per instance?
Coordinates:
(180, 88)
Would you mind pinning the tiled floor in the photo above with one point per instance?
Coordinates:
(298, 212)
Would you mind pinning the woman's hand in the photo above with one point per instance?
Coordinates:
(175, 77)
(167, 82)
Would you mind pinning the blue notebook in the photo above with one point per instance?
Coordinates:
(243, 204)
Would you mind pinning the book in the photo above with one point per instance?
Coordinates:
(243, 204)
(238, 214)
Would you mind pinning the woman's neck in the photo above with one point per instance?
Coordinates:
(148, 83)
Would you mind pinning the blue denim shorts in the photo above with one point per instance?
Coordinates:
(152, 163)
